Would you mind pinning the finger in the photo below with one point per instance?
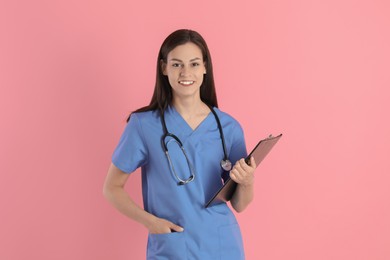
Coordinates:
(238, 166)
(243, 164)
(240, 171)
(238, 174)
(253, 162)
(176, 228)
(248, 168)
(244, 172)
(233, 176)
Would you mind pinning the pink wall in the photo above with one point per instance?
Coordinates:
(318, 71)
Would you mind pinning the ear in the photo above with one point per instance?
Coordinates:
(205, 68)
(163, 67)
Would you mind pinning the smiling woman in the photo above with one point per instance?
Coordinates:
(184, 164)
(185, 74)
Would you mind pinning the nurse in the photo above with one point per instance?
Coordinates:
(184, 145)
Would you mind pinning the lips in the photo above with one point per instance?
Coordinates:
(186, 82)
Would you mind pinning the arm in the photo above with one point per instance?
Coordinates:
(114, 192)
(243, 175)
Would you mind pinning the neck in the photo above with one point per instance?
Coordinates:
(190, 107)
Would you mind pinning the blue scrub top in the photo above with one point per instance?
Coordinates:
(209, 233)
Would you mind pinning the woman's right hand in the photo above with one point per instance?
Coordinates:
(163, 226)
(114, 191)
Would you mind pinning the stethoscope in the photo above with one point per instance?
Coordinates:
(226, 165)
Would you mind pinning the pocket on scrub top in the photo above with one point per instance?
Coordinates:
(231, 242)
(167, 246)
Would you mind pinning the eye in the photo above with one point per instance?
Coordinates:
(195, 64)
(176, 65)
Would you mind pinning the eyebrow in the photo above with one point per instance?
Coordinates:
(194, 59)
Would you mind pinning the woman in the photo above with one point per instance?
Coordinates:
(176, 182)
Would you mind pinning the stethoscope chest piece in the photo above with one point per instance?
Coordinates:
(226, 165)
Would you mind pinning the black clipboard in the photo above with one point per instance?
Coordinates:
(260, 151)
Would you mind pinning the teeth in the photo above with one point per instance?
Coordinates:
(186, 82)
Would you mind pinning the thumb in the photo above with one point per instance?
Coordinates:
(253, 162)
(176, 228)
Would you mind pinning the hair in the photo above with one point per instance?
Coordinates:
(162, 95)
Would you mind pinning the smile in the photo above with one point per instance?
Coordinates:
(186, 82)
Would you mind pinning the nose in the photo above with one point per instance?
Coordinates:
(184, 71)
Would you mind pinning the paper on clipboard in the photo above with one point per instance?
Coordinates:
(260, 151)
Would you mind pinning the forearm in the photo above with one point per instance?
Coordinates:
(242, 197)
(120, 199)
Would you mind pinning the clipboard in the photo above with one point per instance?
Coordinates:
(260, 151)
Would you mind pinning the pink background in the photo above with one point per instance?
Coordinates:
(317, 71)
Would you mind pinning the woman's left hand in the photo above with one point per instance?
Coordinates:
(243, 173)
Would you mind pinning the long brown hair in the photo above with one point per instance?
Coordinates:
(162, 95)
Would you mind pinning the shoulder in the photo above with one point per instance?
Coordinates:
(233, 133)
(229, 124)
(226, 118)
(145, 117)
(146, 123)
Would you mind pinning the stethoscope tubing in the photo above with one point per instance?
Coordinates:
(225, 163)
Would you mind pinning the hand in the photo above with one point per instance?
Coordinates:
(163, 226)
(243, 173)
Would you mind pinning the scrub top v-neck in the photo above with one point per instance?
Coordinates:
(209, 233)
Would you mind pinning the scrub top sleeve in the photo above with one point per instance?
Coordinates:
(238, 149)
(131, 151)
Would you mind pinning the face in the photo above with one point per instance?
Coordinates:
(185, 69)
